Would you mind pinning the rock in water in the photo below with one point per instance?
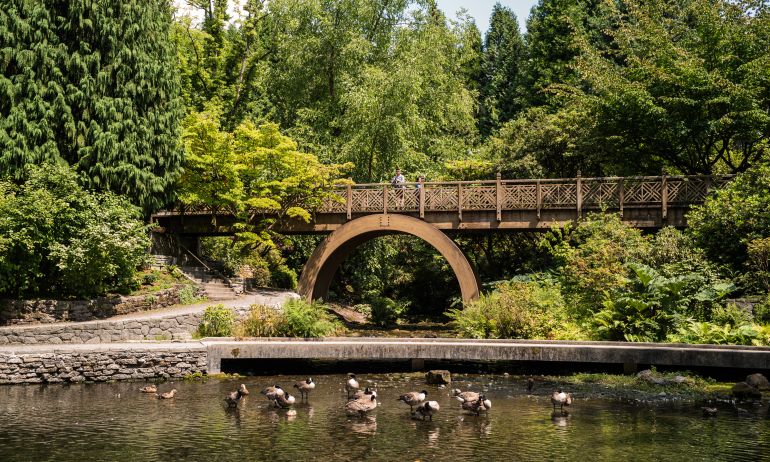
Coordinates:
(438, 377)
(744, 391)
(758, 381)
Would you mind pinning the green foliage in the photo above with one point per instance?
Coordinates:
(262, 321)
(217, 321)
(188, 295)
(733, 217)
(303, 319)
(592, 257)
(516, 309)
(721, 334)
(383, 310)
(92, 84)
(57, 239)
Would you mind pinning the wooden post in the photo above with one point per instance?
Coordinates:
(622, 194)
(421, 198)
(499, 196)
(385, 199)
(350, 201)
(539, 194)
(460, 201)
(664, 195)
(579, 195)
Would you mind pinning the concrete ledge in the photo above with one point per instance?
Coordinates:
(745, 357)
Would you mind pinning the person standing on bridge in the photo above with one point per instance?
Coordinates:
(398, 185)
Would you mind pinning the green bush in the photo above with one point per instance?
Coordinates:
(217, 321)
(189, 295)
(721, 334)
(262, 321)
(283, 277)
(303, 319)
(383, 310)
(517, 309)
(57, 239)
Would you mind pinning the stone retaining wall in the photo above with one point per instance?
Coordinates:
(173, 327)
(101, 366)
(49, 311)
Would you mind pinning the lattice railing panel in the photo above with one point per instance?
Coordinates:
(687, 191)
(440, 198)
(479, 198)
(642, 192)
(519, 196)
(403, 199)
(559, 194)
(336, 204)
(367, 200)
(600, 194)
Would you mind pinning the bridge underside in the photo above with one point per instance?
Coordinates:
(470, 220)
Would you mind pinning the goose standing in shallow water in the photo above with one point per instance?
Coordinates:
(366, 392)
(351, 386)
(232, 398)
(477, 406)
(285, 401)
(561, 398)
(167, 395)
(244, 391)
(361, 406)
(426, 409)
(149, 389)
(463, 396)
(305, 387)
(273, 392)
(413, 398)
(530, 384)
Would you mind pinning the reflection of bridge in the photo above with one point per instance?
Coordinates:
(358, 213)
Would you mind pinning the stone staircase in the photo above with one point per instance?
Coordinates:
(214, 286)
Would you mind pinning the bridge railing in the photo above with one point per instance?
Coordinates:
(498, 195)
(536, 194)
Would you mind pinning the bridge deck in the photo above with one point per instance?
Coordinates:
(645, 202)
(743, 357)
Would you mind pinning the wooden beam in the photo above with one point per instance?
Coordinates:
(499, 197)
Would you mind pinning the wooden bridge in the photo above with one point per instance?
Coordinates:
(357, 213)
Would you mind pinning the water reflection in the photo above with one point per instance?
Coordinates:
(116, 422)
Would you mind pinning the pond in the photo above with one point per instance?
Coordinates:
(114, 422)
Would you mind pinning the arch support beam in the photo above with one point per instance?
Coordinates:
(328, 256)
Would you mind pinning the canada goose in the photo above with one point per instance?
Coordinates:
(482, 404)
(361, 406)
(232, 398)
(561, 398)
(413, 398)
(285, 401)
(709, 411)
(530, 384)
(273, 392)
(366, 392)
(244, 391)
(463, 396)
(305, 387)
(149, 389)
(351, 385)
(167, 395)
(426, 409)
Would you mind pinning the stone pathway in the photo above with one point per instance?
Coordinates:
(172, 323)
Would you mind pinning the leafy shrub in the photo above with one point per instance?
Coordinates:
(762, 311)
(731, 314)
(303, 319)
(384, 310)
(283, 277)
(759, 259)
(262, 321)
(217, 321)
(189, 295)
(58, 239)
(721, 334)
(517, 309)
(149, 279)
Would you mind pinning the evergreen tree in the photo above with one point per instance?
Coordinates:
(503, 58)
(92, 83)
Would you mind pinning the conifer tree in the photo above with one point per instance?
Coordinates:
(92, 83)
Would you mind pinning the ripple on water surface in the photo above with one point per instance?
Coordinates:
(114, 422)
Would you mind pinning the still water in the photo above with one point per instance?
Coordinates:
(114, 422)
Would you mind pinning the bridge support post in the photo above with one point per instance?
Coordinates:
(418, 364)
(499, 197)
(579, 195)
(664, 197)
